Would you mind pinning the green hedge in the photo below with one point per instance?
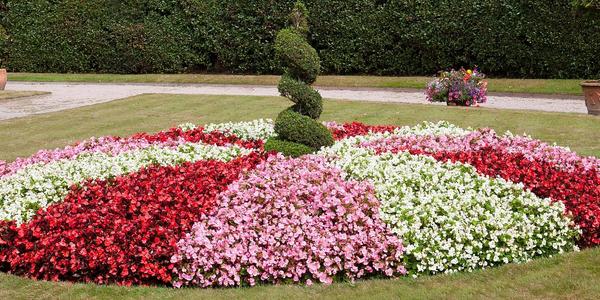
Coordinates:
(516, 38)
(102, 36)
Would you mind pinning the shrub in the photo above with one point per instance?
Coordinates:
(586, 3)
(300, 61)
(287, 148)
(308, 101)
(292, 126)
(103, 36)
(3, 46)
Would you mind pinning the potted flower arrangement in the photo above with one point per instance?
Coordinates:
(591, 92)
(458, 88)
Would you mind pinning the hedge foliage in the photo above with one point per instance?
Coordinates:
(536, 38)
(4, 38)
(586, 3)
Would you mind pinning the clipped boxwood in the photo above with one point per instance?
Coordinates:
(287, 148)
(298, 123)
(308, 101)
(292, 126)
(301, 60)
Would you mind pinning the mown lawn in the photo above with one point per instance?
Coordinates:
(498, 85)
(571, 276)
(24, 136)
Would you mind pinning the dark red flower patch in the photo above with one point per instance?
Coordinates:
(120, 231)
(198, 135)
(579, 190)
(357, 128)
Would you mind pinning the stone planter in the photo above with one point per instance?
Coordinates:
(3, 79)
(591, 91)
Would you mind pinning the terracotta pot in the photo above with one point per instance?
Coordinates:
(591, 91)
(3, 79)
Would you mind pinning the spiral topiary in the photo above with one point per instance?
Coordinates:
(297, 129)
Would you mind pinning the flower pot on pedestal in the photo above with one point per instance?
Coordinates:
(591, 91)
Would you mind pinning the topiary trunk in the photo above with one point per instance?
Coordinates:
(297, 127)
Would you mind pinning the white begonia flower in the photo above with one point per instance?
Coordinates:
(261, 129)
(436, 207)
(187, 126)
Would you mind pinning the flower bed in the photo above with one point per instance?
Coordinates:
(295, 220)
(453, 219)
(548, 171)
(121, 230)
(40, 185)
(205, 206)
(115, 145)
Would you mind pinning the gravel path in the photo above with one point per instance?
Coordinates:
(71, 95)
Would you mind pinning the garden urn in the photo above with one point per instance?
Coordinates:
(3, 79)
(591, 91)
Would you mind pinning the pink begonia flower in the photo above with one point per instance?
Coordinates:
(108, 144)
(282, 222)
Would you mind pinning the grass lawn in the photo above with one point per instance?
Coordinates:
(24, 136)
(571, 276)
(533, 86)
(9, 95)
